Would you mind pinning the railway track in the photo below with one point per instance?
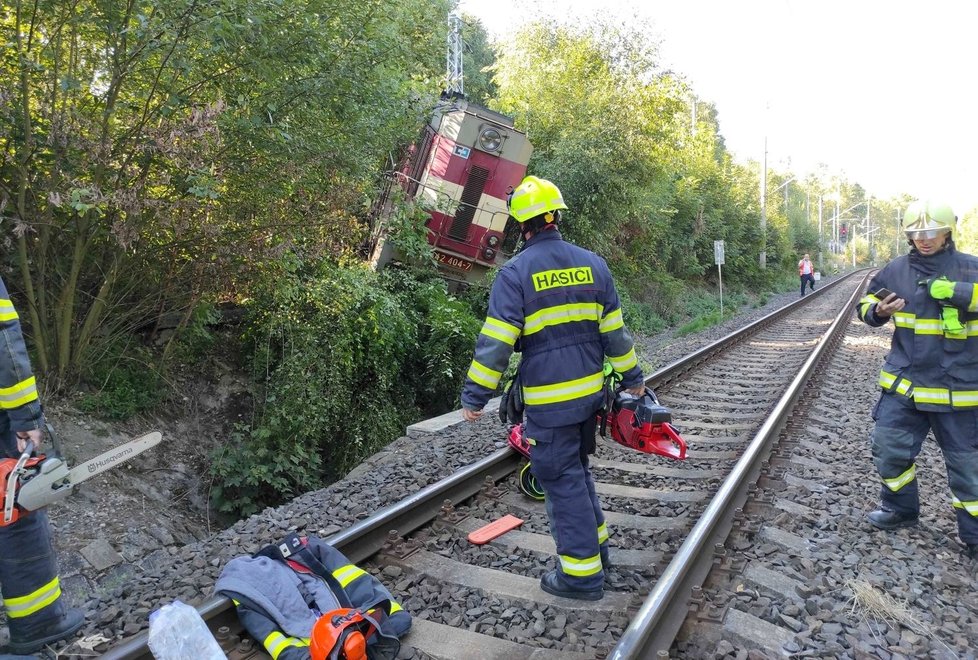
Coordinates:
(669, 519)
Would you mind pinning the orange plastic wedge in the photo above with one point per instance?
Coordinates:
(494, 529)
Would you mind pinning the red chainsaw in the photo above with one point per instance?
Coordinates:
(639, 423)
(29, 483)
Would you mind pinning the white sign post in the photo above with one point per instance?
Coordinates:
(718, 258)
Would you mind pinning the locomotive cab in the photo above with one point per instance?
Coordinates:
(463, 167)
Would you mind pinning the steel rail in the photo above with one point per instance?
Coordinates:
(653, 629)
(366, 537)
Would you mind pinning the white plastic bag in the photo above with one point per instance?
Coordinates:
(177, 632)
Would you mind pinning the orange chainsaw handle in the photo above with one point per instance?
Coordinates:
(12, 468)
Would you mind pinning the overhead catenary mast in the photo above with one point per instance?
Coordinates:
(454, 84)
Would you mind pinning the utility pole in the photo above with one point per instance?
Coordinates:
(896, 251)
(835, 225)
(763, 260)
(821, 267)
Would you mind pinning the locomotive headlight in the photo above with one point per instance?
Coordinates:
(488, 254)
(490, 139)
(493, 241)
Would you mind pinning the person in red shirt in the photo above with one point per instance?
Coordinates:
(807, 273)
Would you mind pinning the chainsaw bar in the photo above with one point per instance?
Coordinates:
(113, 457)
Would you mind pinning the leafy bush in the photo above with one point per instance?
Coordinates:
(345, 358)
(126, 382)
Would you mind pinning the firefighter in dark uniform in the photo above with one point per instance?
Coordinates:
(930, 377)
(557, 304)
(36, 613)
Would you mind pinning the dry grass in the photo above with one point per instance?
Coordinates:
(870, 602)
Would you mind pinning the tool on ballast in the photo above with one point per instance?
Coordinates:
(29, 483)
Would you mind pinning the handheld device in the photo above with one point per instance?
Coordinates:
(882, 293)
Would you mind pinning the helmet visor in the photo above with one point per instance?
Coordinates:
(922, 234)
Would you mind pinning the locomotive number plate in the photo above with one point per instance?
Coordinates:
(453, 261)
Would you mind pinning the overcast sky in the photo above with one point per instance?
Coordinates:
(883, 92)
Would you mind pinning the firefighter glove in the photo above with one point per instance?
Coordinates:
(941, 288)
(951, 321)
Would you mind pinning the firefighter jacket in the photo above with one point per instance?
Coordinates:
(18, 391)
(935, 367)
(279, 599)
(557, 304)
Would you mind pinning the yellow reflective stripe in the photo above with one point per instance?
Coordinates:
(964, 398)
(580, 567)
(972, 328)
(38, 599)
(565, 391)
(612, 321)
(504, 332)
(347, 574)
(484, 376)
(236, 603)
(903, 386)
(395, 606)
(625, 362)
(19, 394)
(558, 314)
(973, 305)
(886, 379)
(933, 395)
(904, 320)
(971, 507)
(896, 483)
(867, 301)
(602, 533)
(276, 642)
(7, 311)
(928, 327)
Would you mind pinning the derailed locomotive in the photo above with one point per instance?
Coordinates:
(464, 165)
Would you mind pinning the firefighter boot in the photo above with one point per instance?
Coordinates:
(884, 518)
(605, 556)
(65, 627)
(553, 583)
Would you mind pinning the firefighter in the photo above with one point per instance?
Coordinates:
(929, 379)
(556, 303)
(36, 613)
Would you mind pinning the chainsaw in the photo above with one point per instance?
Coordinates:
(29, 483)
(639, 423)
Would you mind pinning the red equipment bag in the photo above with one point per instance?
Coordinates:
(643, 424)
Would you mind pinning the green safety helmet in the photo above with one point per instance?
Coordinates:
(928, 219)
(533, 197)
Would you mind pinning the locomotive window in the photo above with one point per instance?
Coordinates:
(490, 139)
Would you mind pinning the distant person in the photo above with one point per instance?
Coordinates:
(557, 304)
(929, 379)
(807, 273)
(36, 612)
